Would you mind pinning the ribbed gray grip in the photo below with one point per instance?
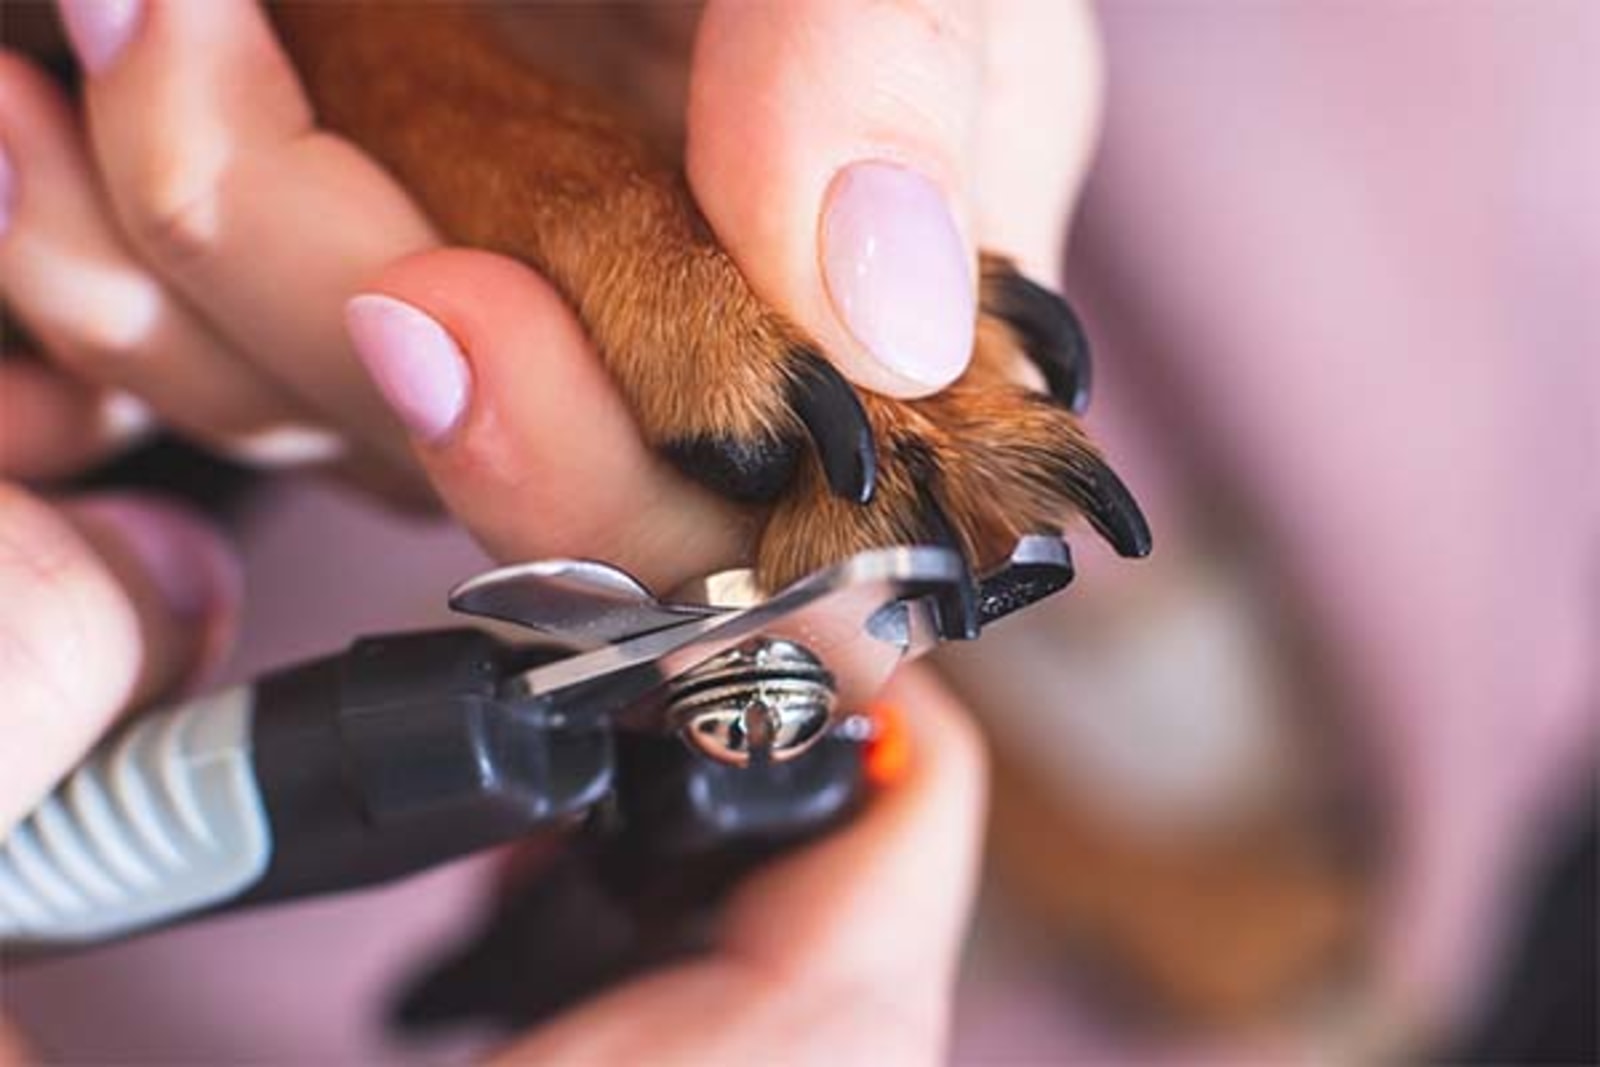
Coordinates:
(163, 819)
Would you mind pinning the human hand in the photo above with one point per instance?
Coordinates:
(845, 950)
(233, 337)
(214, 234)
(107, 601)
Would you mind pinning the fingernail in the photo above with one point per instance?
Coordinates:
(98, 29)
(898, 272)
(192, 569)
(8, 190)
(417, 365)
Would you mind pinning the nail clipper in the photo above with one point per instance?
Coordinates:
(678, 726)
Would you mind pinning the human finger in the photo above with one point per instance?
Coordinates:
(886, 898)
(831, 147)
(519, 427)
(104, 603)
(97, 310)
(223, 183)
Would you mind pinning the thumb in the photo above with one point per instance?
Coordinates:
(831, 147)
(109, 601)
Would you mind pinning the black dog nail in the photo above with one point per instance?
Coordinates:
(833, 416)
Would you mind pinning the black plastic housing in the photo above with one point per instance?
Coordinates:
(398, 755)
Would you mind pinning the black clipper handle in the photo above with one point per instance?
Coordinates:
(397, 756)
(639, 888)
(349, 770)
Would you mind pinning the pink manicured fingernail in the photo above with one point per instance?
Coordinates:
(191, 566)
(417, 365)
(8, 190)
(99, 29)
(898, 272)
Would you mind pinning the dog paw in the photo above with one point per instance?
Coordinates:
(504, 159)
(977, 466)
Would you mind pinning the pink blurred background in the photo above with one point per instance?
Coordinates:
(1343, 265)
